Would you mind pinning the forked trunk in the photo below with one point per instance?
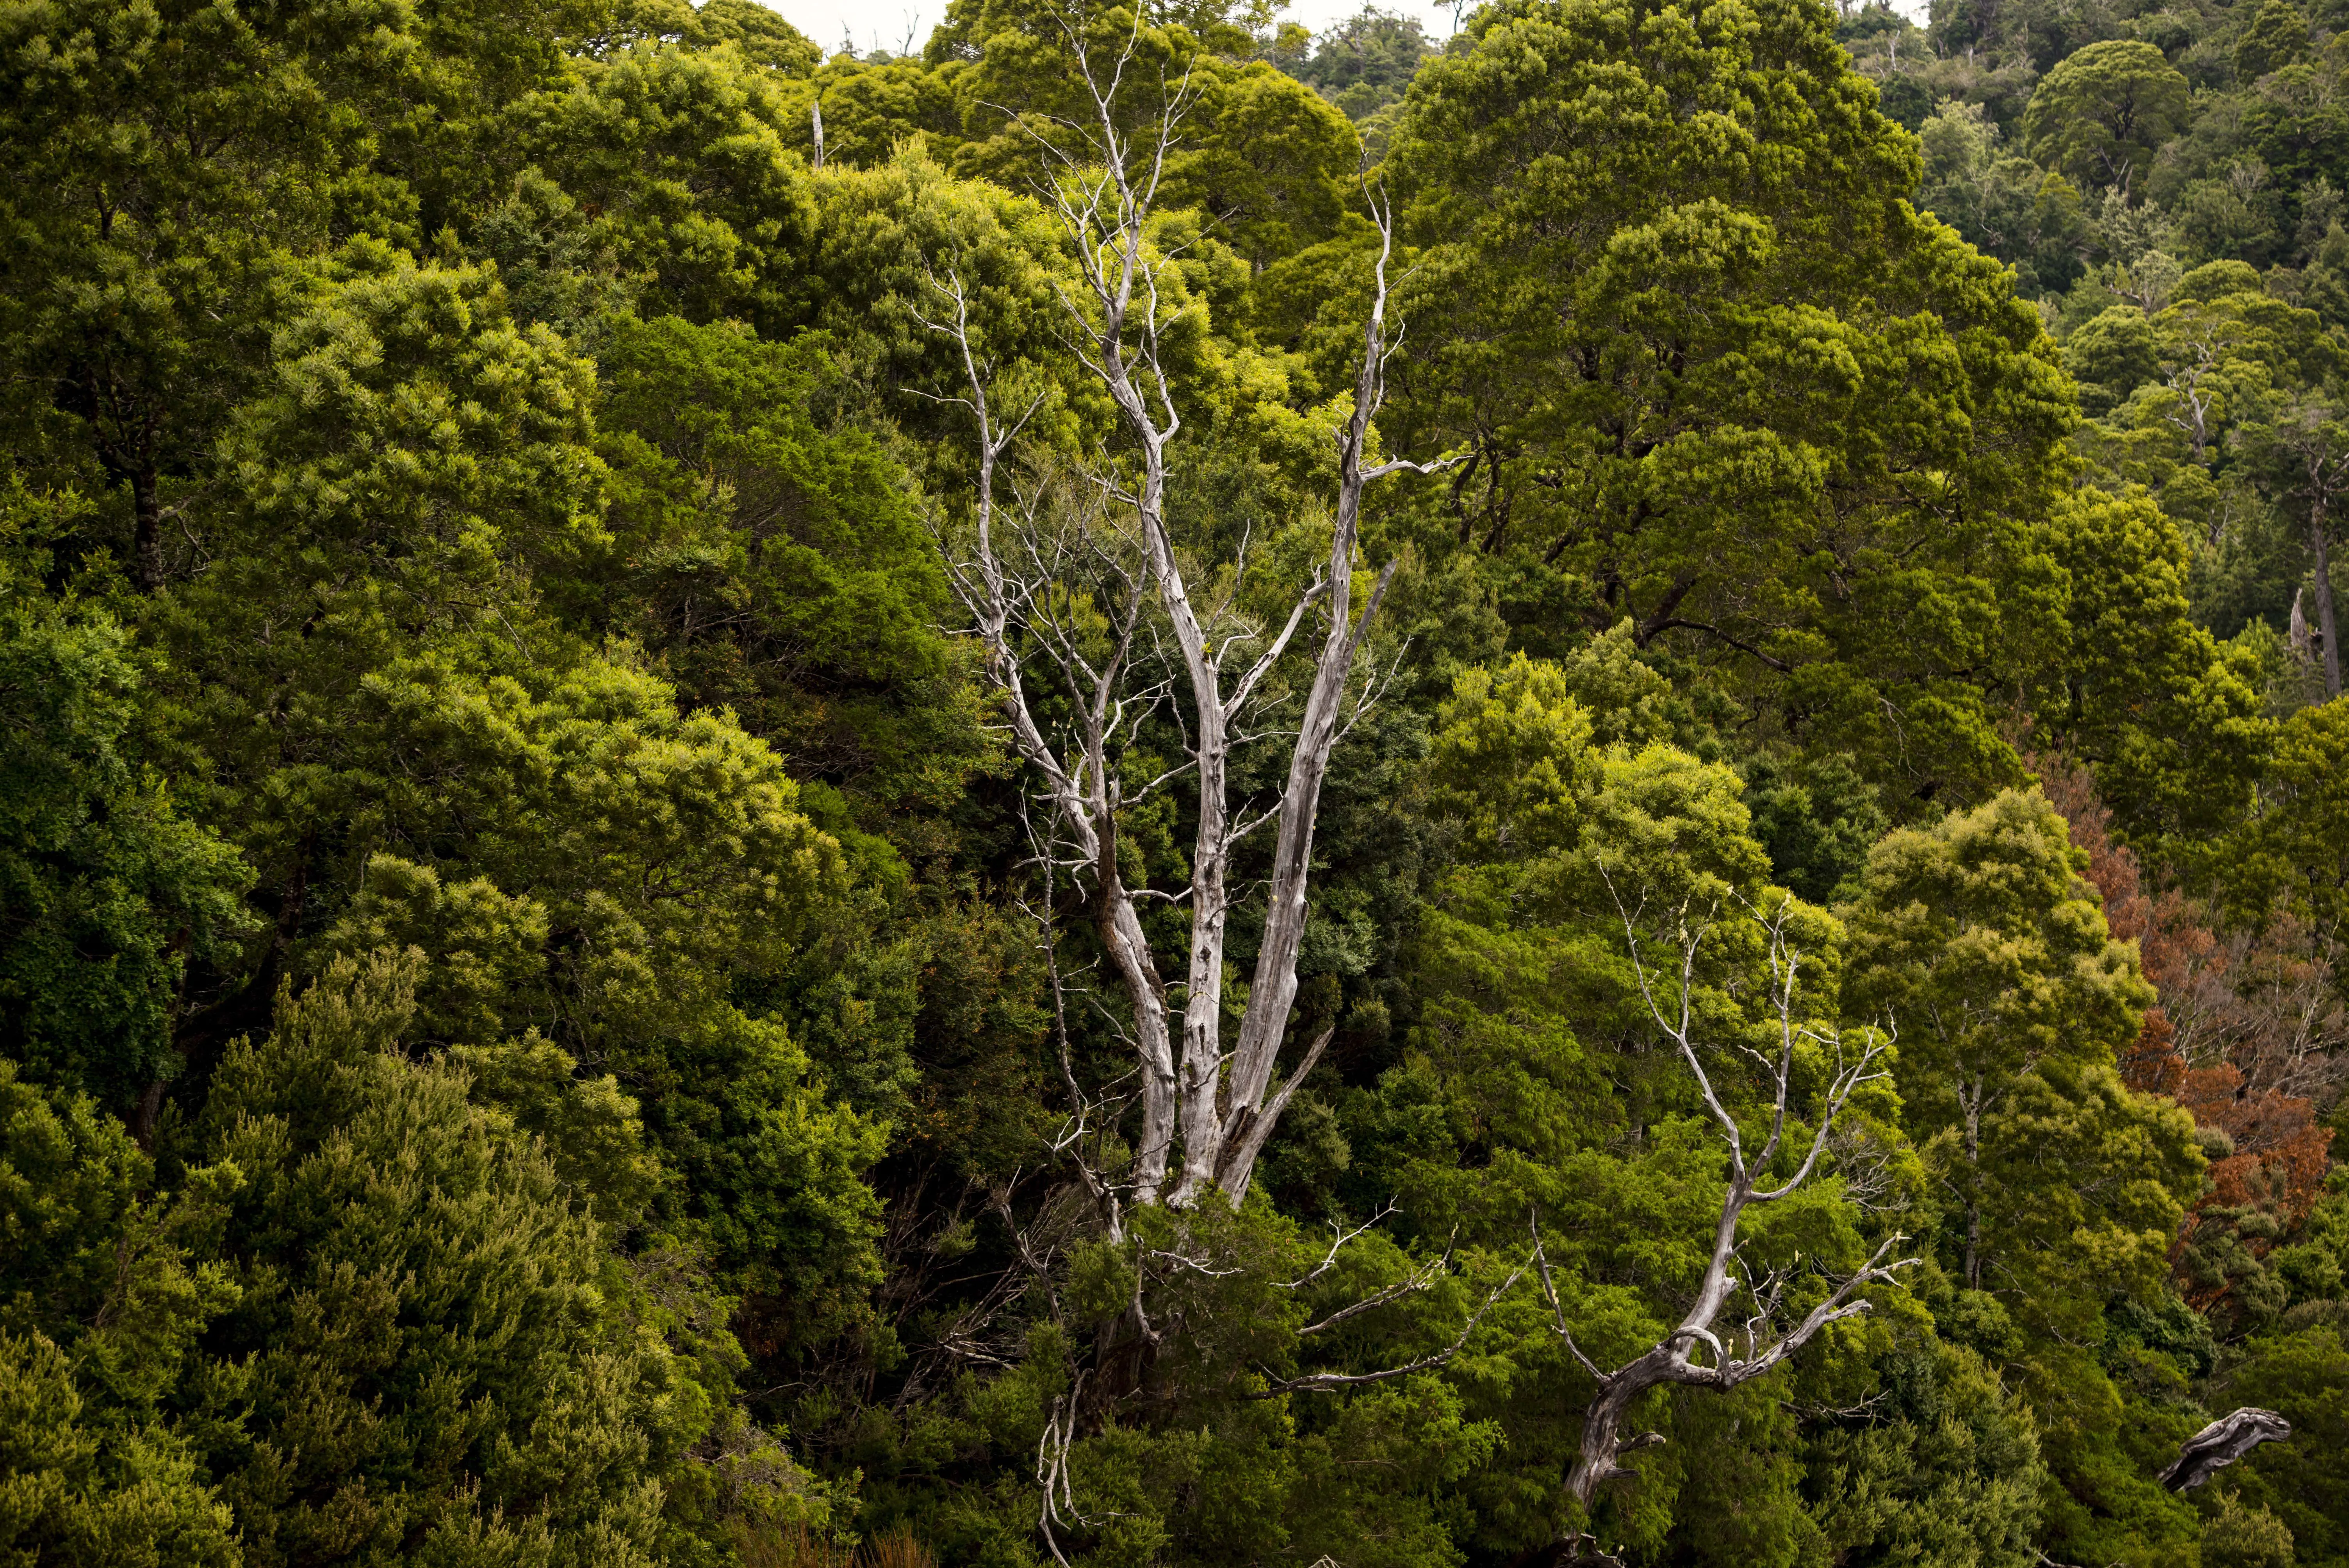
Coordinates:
(1206, 1108)
(1596, 1461)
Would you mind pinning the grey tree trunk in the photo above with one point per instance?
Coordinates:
(2318, 547)
(147, 531)
(1207, 1107)
(1768, 1339)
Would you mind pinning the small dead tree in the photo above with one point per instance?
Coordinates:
(1698, 1352)
(1208, 1104)
(2314, 448)
(2196, 375)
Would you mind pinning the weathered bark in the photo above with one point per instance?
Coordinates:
(1205, 1111)
(1672, 1361)
(147, 530)
(2317, 546)
(1121, 931)
(2230, 1437)
(1274, 990)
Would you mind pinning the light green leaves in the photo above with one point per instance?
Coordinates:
(1513, 760)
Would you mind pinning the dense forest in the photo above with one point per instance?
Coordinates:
(1152, 791)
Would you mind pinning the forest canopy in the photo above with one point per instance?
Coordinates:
(1142, 788)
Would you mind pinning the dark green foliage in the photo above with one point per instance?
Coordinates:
(99, 1315)
(2101, 113)
(1817, 819)
(2306, 1374)
(541, 1024)
(106, 890)
(360, 1312)
(1978, 943)
(506, 1395)
(2003, 204)
(763, 37)
(2111, 357)
(780, 570)
(1365, 62)
(1944, 1466)
(2277, 37)
(1650, 440)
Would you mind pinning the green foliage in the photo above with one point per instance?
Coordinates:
(505, 1400)
(1949, 1472)
(2005, 205)
(105, 889)
(1270, 170)
(1363, 63)
(415, 433)
(526, 978)
(1514, 761)
(634, 867)
(73, 1493)
(763, 37)
(2171, 719)
(1818, 817)
(2239, 1537)
(687, 159)
(2305, 1373)
(100, 1312)
(174, 165)
(1534, 1087)
(1656, 431)
(2100, 115)
(2111, 357)
(366, 1312)
(2059, 1188)
(1981, 947)
(2278, 36)
(780, 570)
(2299, 849)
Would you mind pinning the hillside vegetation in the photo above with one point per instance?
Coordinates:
(1154, 791)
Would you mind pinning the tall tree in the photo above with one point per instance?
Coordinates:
(1206, 1111)
(1982, 946)
(1615, 1077)
(1665, 841)
(1682, 351)
(2100, 115)
(2305, 448)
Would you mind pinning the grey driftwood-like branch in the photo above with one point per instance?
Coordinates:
(1698, 1352)
(1208, 1104)
(2221, 1443)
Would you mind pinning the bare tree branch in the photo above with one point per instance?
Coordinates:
(1206, 1109)
(1325, 1382)
(1669, 994)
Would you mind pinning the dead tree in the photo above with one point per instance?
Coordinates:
(2224, 1441)
(1208, 1104)
(1697, 1352)
(2194, 377)
(2315, 451)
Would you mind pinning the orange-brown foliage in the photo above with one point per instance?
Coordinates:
(2245, 1033)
